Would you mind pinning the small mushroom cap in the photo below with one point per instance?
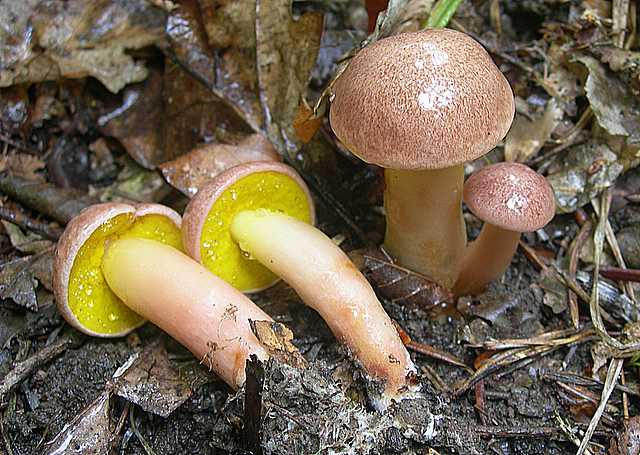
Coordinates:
(80, 230)
(511, 196)
(423, 100)
(198, 213)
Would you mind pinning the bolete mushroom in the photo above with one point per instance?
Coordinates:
(420, 105)
(117, 265)
(510, 198)
(253, 223)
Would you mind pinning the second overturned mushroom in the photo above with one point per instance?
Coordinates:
(118, 265)
(510, 198)
(259, 215)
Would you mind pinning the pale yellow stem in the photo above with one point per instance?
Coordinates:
(486, 259)
(204, 313)
(425, 228)
(327, 281)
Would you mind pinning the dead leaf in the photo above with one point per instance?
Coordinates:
(147, 379)
(527, 137)
(627, 441)
(192, 171)
(74, 39)
(586, 170)
(622, 61)
(195, 115)
(14, 107)
(18, 278)
(287, 50)
(613, 104)
(22, 165)
(134, 183)
(398, 284)
(276, 338)
(138, 123)
(89, 432)
(224, 61)
(29, 242)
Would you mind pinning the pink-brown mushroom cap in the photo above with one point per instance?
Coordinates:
(423, 100)
(511, 196)
(77, 232)
(195, 214)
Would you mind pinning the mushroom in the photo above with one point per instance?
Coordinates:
(117, 265)
(253, 223)
(510, 198)
(420, 105)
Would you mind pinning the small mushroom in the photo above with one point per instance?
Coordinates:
(117, 265)
(420, 105)
(258, 216)
(510, 198)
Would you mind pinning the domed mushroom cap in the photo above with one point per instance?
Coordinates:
(511, 196)
(424, 100)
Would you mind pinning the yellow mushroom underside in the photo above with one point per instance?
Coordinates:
(94, 305)
(220, 254)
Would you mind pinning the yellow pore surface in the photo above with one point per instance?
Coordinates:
(261, 190)
(92, 302)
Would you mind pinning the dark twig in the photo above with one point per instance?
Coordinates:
(429, 351)
(39, 227)
(576, 247)
(57, 203)
(23, 369)
(615, 366)
(253, 405)
(620, 274)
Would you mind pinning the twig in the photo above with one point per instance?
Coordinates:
(623, 349)
(574, 254)
(134, 427)
(617, 254)
(21, 220)
(619, 274)
(23, 369)
(615, 367)
(428, 350)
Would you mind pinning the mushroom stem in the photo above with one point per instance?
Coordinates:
(486, 259)
(425, 228)
(204, 313)
(327, 281)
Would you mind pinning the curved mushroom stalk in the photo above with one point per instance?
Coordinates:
(486, 259)
(425, 228)
(326, 280)
(199, 310)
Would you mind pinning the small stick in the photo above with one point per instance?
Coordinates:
(20, 219)
(578, 243)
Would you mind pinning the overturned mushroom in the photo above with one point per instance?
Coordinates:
(420, 105)
(510, 198)
(117, 265)
(257, 216)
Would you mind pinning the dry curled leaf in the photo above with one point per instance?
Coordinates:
(276, 338)
(192, 171)
(50, 40)
(18, 278)
(398, 284)
(526, 137)
(89, 432)
(147, 379)
(586, 170)
(22, 165)
(138, 123)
